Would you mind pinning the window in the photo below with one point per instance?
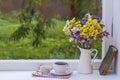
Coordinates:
(17, 64)
(55, 45)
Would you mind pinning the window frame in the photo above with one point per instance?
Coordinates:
(107, 16)
(30, 65)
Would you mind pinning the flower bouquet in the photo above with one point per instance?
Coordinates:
(84, 32)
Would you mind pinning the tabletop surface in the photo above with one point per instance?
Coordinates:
(27, 75)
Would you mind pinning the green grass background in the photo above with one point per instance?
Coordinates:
(55, 46)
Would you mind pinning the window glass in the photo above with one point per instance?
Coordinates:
(32, 29)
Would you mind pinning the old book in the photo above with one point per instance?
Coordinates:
(111, 53)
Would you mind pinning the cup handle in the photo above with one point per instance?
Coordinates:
(96, 52)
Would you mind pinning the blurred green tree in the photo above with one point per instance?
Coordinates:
(31, 20)
(84, 6)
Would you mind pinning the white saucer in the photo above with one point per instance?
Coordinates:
(60, 74)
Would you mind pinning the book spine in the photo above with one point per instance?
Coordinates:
(109, 61)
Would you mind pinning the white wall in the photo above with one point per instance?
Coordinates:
(116, 29)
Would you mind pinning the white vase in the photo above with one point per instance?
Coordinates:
(85, 63)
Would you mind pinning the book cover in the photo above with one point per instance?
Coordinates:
(111, 53)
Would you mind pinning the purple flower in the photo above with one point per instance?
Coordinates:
(99, 36)
(77, 33)
(86, 42)
(96, 17)
(80, 39)
(83, 21)
(72, 34)
(103, 34)
(76, 36)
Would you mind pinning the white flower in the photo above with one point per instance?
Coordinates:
(75, 30)
(65, 29)
(87, 15)
(71, 39)
(102, 23)
(67, 22)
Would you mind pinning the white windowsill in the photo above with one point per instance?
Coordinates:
(23, 69)
(27, 75)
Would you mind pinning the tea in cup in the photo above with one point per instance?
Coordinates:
(61, 67)
(45, 69)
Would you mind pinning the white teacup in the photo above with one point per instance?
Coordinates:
(45, 69)
(61, 67)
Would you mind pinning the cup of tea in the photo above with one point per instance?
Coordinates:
(61, 67)
(45, 69)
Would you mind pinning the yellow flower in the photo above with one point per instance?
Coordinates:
(82, 34)
(89, 19)
(69, 26)
(94, 21)
(78, 22)
(78, 25)
(84, 30)
(73, 21)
